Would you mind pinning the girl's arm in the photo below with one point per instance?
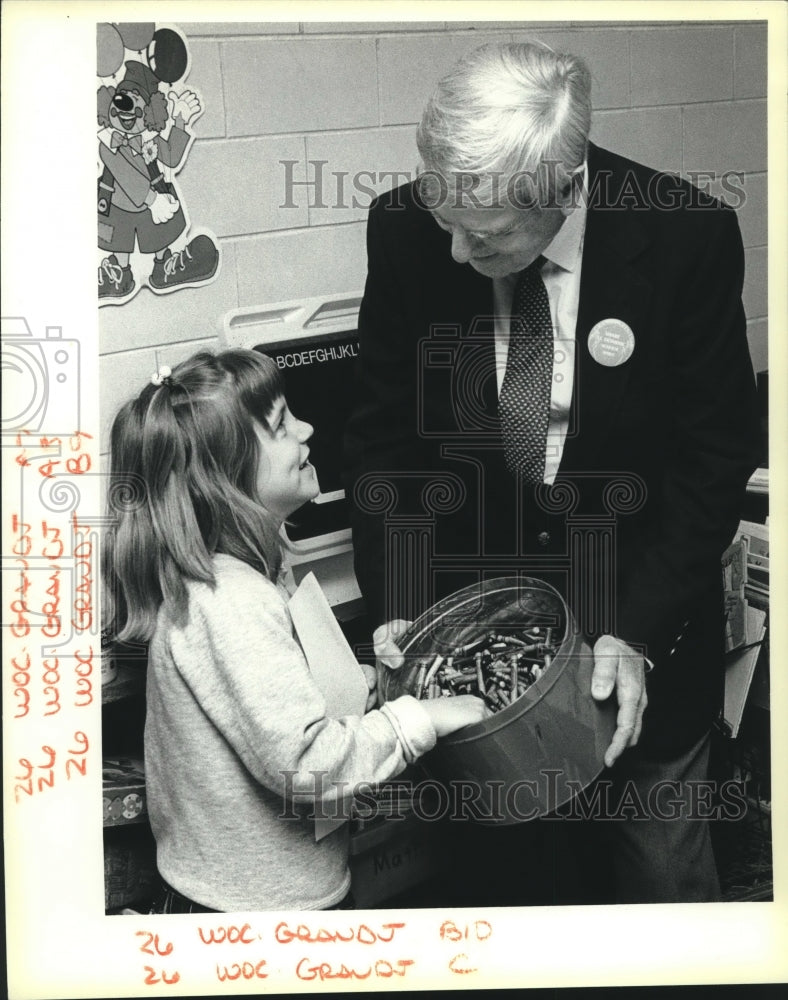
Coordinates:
(253, 682)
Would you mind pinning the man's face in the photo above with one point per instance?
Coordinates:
(498, 241)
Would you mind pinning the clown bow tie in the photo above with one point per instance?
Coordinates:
(134, 142)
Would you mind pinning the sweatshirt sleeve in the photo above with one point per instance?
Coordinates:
(242, 664)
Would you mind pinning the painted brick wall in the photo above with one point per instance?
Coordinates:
(676, 95)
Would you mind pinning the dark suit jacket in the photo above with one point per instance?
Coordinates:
(660, 448)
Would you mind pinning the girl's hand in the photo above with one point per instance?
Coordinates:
(450, 714)
(370, 675)
(387, 653)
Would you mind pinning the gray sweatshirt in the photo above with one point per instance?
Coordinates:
(235, 727)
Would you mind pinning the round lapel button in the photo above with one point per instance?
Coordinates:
(611, 342)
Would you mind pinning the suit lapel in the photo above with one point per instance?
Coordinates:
(457, 380)
(479, 337)
(610, 288)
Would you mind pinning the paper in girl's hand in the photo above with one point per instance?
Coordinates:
(332, 664)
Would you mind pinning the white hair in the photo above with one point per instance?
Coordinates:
(511, 111)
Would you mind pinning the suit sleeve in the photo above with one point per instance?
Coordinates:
(711, 442)
(381, 438)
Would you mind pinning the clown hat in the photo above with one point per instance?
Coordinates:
(139, 77)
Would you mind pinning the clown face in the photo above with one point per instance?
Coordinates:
(127, 111)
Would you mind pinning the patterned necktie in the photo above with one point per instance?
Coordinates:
(524, 404)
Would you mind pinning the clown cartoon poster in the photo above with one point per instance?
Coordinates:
(145, 118)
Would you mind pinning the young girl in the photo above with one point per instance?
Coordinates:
(234, 719)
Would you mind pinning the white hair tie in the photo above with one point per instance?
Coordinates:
(162, 376)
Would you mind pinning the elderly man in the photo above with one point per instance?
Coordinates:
(556, 334)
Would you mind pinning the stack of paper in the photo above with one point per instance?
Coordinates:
(756, 584)
(759, 481)
(745, 573)
(331, 662)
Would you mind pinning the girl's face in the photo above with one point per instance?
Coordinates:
(285, 478)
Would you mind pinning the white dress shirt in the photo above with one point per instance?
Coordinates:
(561, 276)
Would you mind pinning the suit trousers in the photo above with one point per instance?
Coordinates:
(664, 855)
(639, 834)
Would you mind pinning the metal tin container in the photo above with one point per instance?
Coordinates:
(534, 755)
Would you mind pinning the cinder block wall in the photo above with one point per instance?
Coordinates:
(681, 96)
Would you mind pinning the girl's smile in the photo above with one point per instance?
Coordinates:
(286, 479)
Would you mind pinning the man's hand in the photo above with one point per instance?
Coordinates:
(387, 653)
(617, 665)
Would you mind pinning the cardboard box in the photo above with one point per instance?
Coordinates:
(130, 874)
(389, 857)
